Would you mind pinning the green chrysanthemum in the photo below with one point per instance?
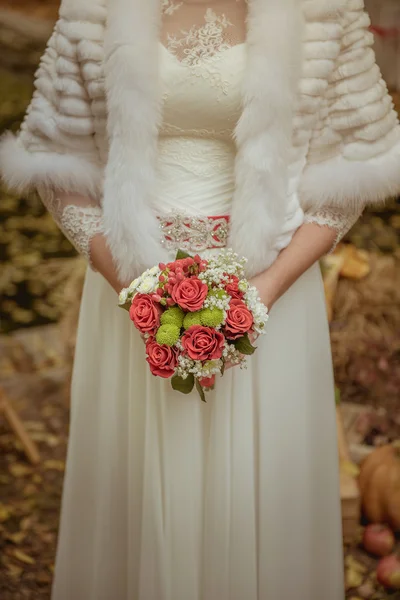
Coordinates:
(211, 317)
(168, 334)
(192, 318)
(173, 316)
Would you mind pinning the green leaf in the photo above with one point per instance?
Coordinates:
(244, 346)
(201, 391)
(182, 254)
(126, 306)
(183, 385)
(223, 367)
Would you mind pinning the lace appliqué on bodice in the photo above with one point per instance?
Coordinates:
(169, 6)
(199, 44)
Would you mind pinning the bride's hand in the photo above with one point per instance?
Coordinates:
(265, 289)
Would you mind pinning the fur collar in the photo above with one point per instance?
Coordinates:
(263, 133)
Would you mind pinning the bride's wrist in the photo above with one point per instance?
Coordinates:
(267, 289)
(102, 261)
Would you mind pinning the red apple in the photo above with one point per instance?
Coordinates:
(388, 572)
(378, 540)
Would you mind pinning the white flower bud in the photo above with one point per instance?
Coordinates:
(148, 285)
(123, 296)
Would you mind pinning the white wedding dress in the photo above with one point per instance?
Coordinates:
(168, 498)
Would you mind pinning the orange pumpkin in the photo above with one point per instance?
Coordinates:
(379, 482)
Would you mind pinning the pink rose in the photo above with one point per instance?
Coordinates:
(161, 358)
(203, 343)
(239, 320)
(145, 313)
(232, 288)
(189, 293)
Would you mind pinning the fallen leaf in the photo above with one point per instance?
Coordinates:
(16, 538)
(356, 263)
(347, 466)
(19, 470)
(14, 570)
(331, 267)
(26, 523)
(25, 558)
(354, 564)
(353, 578)
(30, 489)
(43, 578)
(5, 512)
(49, 411)
(47, 538)
(54, 465)
(35, 426)
(366, 590)
(48, 438)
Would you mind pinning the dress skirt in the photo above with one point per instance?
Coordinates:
(168, 498)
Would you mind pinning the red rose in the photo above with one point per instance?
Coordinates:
(161, 358)
(239, 320)
(203, 343)
(145, 313)
(207, 382)
(232, 288)
(189, 293)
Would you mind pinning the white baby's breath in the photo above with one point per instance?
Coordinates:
(258, 309)
(221, 267)
(187, 366)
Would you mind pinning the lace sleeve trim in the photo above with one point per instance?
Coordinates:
(335, 219)
(78, 223)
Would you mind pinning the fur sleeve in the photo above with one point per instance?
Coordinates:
(354, 153)
(56, 144)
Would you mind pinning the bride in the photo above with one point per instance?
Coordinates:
(149, 120)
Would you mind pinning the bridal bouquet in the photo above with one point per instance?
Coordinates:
(195, 316)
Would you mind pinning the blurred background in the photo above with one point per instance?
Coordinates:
(40, 285)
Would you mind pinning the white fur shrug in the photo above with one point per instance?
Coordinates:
(312, 93)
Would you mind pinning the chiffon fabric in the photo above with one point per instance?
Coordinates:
(168, 498)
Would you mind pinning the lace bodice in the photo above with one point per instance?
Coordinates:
(196, 32)
(202, 64)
